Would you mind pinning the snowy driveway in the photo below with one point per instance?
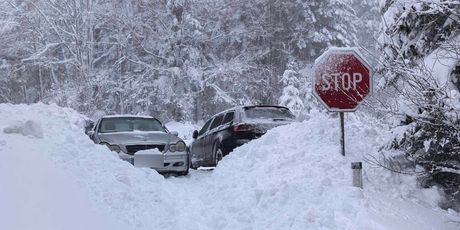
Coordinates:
(292, 178)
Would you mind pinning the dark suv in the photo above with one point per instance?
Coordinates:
(229, 129)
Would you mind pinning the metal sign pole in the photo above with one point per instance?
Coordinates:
(342, 133)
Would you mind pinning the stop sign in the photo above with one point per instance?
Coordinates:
(341, 79)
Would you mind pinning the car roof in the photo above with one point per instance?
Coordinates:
(274, 106)
(127, 116)
(241, 107)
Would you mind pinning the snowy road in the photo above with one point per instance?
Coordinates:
(291, 178)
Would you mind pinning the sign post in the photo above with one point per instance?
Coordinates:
(342, 79)
(342, 133)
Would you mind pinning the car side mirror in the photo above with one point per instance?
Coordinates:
(91, 133)
(89, 125)
(195, 134)
(175, 133)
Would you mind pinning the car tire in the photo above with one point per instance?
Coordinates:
(218, 153)
(184, 173)
(191, 166)
(194, 167)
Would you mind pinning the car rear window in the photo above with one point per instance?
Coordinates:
(268, 113)
(129, 124)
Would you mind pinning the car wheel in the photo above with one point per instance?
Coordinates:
(191, 165)
(184, 173)
(218, 154)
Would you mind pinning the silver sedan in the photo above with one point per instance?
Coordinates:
(143, 141)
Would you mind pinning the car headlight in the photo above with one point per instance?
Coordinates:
(172, 147)
(179, 146)
(115, 148)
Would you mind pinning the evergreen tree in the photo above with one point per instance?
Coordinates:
(177, 59)
(417, 33)
(291, 96)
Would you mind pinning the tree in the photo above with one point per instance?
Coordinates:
(291, 96)
(420, 41)
(176, 59)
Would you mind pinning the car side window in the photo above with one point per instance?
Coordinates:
(228, 117)
(217, 121)
(205, 127)
(98, 126)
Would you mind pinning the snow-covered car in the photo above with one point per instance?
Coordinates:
(143, 141)
(232, 128)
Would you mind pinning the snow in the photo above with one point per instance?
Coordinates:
(441, 61)
(291, 178)
(35, 193)
(28, 128)
(124, 116)
(185, 129)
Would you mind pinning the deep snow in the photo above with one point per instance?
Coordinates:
(291, 178)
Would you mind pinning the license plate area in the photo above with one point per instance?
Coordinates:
(149, 160)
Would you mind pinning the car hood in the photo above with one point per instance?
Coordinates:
(125, 138)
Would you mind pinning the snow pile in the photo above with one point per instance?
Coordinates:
(28, 128)
(291, 178)
(111, 186)
(35, 193)
(294, 177)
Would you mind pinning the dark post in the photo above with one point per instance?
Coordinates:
(342, 133)
(357, 168)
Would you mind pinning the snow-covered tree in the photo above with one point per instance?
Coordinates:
(421, 50)
(291, 95)
(176, 59)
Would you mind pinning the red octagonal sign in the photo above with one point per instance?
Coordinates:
(341, 79)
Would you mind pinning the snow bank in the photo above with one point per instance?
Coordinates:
(35, 193)
(109, 185)
(28, 128)
(294, 177)
(291, 178)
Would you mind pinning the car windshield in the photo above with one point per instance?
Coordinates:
(268, 113)
(130, 124)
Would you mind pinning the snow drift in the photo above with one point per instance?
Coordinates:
(291, 178)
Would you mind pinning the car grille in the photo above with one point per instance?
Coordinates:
(134, 148)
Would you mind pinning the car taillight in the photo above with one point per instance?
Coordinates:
(243, 127)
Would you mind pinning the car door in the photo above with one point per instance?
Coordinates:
(225, 131)
(95, 132)
(198, 143)
(211, 137)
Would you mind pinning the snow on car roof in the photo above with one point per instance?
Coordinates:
(250, 106)
(127, 115)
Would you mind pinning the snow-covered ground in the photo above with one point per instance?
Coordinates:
(185, 130)
(53, 177)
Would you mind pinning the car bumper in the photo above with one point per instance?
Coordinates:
(234, 143)
(177, 162)
(174, 163)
